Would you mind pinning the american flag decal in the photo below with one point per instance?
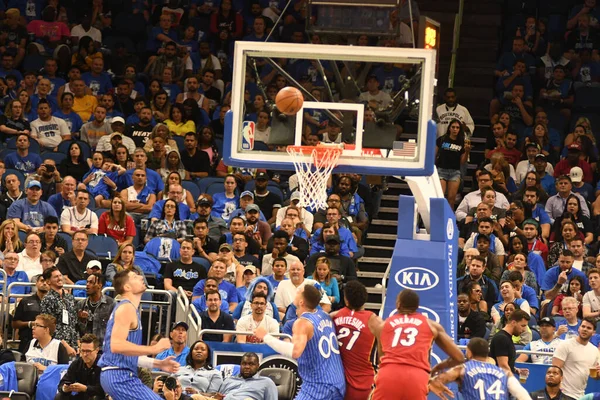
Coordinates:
(404, 149)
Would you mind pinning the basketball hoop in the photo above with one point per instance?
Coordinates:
(314, 171)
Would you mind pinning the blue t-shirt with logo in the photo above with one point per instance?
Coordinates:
(28, 164)
(227, 290)
(100, 84)
(73, 120)
(224, 206)
(30, 215)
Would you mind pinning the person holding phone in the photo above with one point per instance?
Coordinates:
(82, 379)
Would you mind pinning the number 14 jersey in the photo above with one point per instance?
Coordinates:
(406, 340)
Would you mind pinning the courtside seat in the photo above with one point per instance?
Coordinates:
(284, 380)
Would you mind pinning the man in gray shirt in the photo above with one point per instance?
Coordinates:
(248, 384)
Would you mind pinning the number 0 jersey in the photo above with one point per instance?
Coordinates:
(406, 339)
(320, 364)
(357, 345)
(483, 381)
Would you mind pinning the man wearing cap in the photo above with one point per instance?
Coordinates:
(342, 267)
(546, 180)
(556, 204)
(238, 225)
(305, 216)
(94, 312)
(23, 160)
(546, 344)
(73, 264)
(29, 213)
(256, 227)
(49, 131)
(484, 178)
(107, 143)
(280, 245)
(268, 201)
(184, 273)
(217, 227)
(246, 199)
(248, 274)
(249, 323)
(178, 349)
(93, 267)
(194, 160)
(92, 131)
(579, 186)
(573, 160)
(527, 165)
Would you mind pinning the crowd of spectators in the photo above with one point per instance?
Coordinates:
(107, 133)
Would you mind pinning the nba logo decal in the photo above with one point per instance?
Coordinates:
(248, 135)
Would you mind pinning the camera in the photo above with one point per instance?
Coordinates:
(509, 213)
(171, 383)
(49, 168)
(114, 168)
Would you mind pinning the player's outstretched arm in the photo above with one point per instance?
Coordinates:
(302, 332)
(375, 326)
(437, 384)
(126, 319)
(516, 390)
(448, 346)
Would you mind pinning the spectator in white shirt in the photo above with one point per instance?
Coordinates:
(471, 200)
(79, 218)
(286, 291)
(528, 165)
(249, 323)
(29, 258)
(49, 131)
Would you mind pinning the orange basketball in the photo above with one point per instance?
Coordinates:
(289, 100)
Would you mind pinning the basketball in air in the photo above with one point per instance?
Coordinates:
(289, 100)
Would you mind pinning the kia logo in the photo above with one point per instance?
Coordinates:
(417, 278)
(429, 313)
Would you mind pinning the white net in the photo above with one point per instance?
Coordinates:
(313, 172)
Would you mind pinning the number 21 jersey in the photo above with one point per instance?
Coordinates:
(406, 340)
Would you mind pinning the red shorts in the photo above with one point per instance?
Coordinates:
(357, 394)
(401, 383)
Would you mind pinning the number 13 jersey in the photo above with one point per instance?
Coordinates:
(406, 340)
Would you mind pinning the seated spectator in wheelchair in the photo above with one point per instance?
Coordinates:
(43, 349)
(82, 379)
(196, 375)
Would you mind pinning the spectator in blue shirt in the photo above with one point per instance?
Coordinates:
(97, 80)
(66, 112)
(557, 278)
(154, 182)
(211, 285)
(178, 349)
(11, 260)
(538, 213)
(248, 383)
(8, 61)
(227, 290)
(22, 159)
(29, 213)
(259, 33)
(527, 292)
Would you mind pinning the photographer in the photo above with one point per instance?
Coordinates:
(49, 177)
(169, 388)
(82, 379)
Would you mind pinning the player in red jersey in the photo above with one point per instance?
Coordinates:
(405, 340)
(355, 328)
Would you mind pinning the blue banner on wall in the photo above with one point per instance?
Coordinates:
(426, 266)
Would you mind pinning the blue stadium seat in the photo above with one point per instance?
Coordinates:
(180, 140)
(22, 236)
(272, 186)
(204, 183)
(535, 335)
(57, 157)
(67, 238)
(202, 261)
(86, 150)
(191, 187)
(100, 211)
(103, 246)
(214, 188)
